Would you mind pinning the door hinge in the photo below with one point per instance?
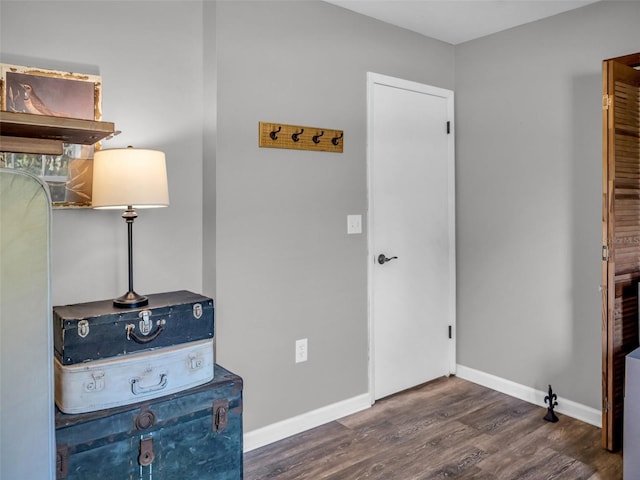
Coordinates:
(606, 101)
(605, 253)
(450, 332)
(605, 405)
(448, 127)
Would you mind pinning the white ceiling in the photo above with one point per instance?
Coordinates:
(457, 21)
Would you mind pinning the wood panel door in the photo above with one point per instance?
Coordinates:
(621, 234)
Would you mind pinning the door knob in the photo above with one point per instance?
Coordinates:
(382, 259)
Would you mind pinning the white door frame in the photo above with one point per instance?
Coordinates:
(372, 79)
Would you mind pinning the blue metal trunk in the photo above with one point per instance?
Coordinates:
(194, 434)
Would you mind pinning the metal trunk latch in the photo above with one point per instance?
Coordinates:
(220, 415)
(62, 461)
(146, 456)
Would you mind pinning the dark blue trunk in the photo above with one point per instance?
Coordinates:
(194, 434)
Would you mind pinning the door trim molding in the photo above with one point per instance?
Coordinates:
(373, 79)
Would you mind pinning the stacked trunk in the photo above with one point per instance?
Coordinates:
(139, 394)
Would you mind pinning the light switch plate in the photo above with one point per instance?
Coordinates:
(354, 224)
(301, 350)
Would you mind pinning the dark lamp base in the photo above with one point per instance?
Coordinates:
(130, 300)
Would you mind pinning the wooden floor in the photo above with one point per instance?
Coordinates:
(445, 429)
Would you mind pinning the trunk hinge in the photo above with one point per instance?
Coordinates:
(605, 253)
(606, 101)
(62, 461)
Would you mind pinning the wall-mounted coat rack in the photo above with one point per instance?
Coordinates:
(280, 135)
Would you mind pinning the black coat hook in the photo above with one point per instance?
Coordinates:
(336, 140)
(296, 136)
(316, 138)
(274, 134)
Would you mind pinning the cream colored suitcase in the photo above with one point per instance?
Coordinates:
(126, 379)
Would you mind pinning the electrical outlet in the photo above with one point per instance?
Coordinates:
(301, 350)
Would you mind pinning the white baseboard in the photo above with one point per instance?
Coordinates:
(291, 426)
(528, 394)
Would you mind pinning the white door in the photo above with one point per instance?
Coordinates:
(411, 217)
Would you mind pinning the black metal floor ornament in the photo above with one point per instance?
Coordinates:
(551, 399)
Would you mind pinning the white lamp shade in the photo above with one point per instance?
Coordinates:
(125, 177)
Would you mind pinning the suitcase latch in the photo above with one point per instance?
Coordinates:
(197, 311)
(195, 362)
(146, 456)
(220, 415)
(145, 324)
(83, 328)
(96, 384)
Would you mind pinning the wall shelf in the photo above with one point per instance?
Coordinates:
(28, 133)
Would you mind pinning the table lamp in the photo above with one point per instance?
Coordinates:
(129, 178)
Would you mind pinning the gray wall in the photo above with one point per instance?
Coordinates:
(150, 60)
(194, 78)
(286, 268)
(210, 127)
(276, 227)
(529, 170)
